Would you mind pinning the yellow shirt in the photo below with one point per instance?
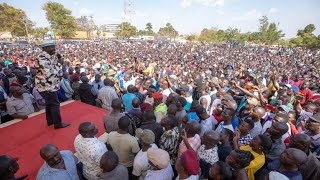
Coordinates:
(256, 164)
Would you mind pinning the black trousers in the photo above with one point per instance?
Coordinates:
(52, 108)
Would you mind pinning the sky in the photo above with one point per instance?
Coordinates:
(188, 16)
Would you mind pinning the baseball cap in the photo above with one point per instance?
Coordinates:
(146, 135)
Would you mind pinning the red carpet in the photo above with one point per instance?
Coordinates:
(24, 139)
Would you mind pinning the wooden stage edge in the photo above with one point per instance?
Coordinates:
(31, 115)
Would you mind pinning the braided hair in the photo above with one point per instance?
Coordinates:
(244, 158)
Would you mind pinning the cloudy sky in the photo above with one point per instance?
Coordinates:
(189, 16)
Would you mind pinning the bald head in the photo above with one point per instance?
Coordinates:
(48, 150)
(261, 111)
(221, 92)
(233, 105)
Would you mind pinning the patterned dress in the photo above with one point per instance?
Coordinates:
(169, 142)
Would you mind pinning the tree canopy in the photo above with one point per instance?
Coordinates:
(306, 38)
(127, 30)
(168, 30)
(60, 19)
(14, 20)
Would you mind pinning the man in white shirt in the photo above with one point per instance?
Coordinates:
(89, 149)
(107, 94)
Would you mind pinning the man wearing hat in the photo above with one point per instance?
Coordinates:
(47, 82)
(159, 160)
(140, 165)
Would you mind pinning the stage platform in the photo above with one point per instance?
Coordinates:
(24, 138)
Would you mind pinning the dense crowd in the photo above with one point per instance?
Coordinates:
(174, 111)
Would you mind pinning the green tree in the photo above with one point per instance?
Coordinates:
(306, 38)
(232, 33)
(191, 37)
(149, 29)
(60, 19)
(127, 30)
(39, 32)
(14, 20)
(168, 30)
(268, 32)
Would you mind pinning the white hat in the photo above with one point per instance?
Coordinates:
(46, 43)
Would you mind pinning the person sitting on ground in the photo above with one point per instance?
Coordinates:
(107, 94)
(159, 161)
(220, 171)
(111, 119)
(89, 149)
(123, 144)
(238, 160)
(8, 168)
(288, 164)
(187, 165)
(149, 122)
(311, 169)
(140, 164)
(111, 169)
(85, 92)
(20, 105)
(58, 164)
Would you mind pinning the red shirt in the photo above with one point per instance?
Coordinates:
(307, 94)
(217, 117)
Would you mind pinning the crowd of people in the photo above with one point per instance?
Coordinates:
(174, 111)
